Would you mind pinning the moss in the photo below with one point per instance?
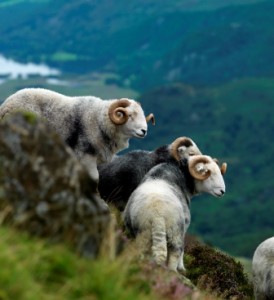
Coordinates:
(216, 272)
(30, 117)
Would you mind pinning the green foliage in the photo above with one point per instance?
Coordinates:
(29, 117)
(71, 85)
(217, 272)
(150, 43)
(170, 42)
(32, 269)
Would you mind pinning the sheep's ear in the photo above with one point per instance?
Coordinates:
(197, 166)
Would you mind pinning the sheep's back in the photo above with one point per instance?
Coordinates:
(119, 178)
(154, 199)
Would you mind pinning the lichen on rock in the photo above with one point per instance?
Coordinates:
(45, 190)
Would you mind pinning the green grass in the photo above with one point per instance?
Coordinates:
(64, 56)
(90, 84)
(32, 269)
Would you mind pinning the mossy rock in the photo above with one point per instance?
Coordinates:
(44, 189)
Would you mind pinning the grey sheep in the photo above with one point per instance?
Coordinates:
(263, 270)
(159, 211)
(95, 129)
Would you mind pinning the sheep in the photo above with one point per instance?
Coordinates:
(159, 208)
(119, 178)
(95, 129)
(263, 270)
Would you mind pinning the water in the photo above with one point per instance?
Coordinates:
(11, 69)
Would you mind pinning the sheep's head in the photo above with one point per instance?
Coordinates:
(183, 147)
(130, 116)
(207, 174)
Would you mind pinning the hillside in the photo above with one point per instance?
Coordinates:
(205, 68)
(54, 228)
(147, 44)
(233, 123)
(53, 271)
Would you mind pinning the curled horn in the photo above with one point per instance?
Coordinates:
(194, 172)
(151, 118)
(179, 142)
(117, 112)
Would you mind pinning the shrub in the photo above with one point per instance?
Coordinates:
(214, 271)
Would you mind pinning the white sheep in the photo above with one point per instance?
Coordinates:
(95, 129)
(263, 270)
(159, 210)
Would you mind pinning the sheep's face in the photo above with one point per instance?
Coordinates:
(136, 125)
(183, 147)
(186, 151)
(207, 174)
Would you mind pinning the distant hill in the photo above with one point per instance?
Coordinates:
(147, 42)
(234, 123)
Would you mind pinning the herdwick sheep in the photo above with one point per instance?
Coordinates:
(159, 209)
(95, 129)
(263, 270)
(119, 178)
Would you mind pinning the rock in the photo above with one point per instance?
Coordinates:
(45, 190)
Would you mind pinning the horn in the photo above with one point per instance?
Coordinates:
(151, 118)
(193, 161)
(223, 168)
(179, 142)
(117, 112)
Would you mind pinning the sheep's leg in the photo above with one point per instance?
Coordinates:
(175, 250)
(159, 241)
(174, 258)
(181, 266)
(90, 162)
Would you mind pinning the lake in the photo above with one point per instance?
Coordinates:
(10, 69)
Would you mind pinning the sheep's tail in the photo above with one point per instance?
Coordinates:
(159, 241)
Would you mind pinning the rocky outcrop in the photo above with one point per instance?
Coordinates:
(45, 190)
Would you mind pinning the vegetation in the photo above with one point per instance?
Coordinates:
(217, 272)
(205, 47)
(101, 85)
(234, 123)
(35, 269)
(205, 72)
